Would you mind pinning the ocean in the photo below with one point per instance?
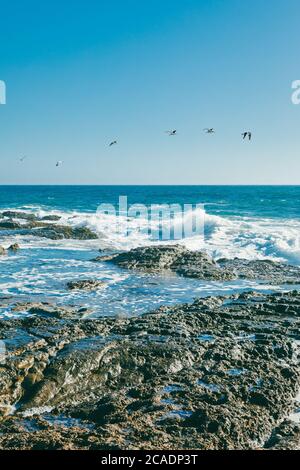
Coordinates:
(252, 222)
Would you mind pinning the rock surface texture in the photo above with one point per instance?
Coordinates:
(44, 227)
(198, 264)
(220, 373)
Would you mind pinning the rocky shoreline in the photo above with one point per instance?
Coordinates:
(221, 372)
(22, 223)
(199, 265)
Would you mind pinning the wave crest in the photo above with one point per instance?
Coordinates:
(242, 237)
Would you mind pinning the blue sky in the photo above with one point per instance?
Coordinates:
(80, 74)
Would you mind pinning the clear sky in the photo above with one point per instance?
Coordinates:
(82, 73)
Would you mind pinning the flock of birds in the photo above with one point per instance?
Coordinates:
(207, 130)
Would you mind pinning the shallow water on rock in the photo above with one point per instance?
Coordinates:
(206, 338)
(41, 273)
(236, 372)
(212, 387)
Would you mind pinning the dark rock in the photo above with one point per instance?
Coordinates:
(49, 310)
(266, 270)
(285, 437)
(42, 228)
(102, 258)
(174, 258)
(259, 399)
(198, 264)
(18, 215)
(59, 232)
(151, 381)
(10, 225)
(14, 247)
(86, 284)
(51, 218)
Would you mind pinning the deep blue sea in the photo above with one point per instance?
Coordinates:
(253, 222)
(243, 201)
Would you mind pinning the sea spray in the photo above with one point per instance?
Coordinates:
(159, 221)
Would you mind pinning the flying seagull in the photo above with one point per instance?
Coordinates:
(209, 130)
(59, 163)
(247, 134)
(174, 132)
(22, 159)
(114, 142)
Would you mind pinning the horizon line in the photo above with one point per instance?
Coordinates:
(149, 185)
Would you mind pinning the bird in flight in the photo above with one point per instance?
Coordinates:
(247, 134)
(174, 132)
(114, 142)
(59, 163)
(22, 159)
(209, 130)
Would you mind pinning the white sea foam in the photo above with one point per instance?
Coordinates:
(243, 237)
(250, 238)
(37, 411)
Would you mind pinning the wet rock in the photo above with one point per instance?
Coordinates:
(266, 270)
(86, 284)
(59, 232)
(2, 251)
(34, 224)
(41, 227)
(102, 258)
(259, 399)
(174, 258)
(107, 410)
(10, 224)
(29, 216)
(18, 215)
(151, 381)
(198, 264)
(49, 310)
(51, 218)
(15, 247)
(40, 433)
(285, 437)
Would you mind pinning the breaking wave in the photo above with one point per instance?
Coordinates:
(242, 237)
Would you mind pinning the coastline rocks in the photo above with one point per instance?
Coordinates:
(45, 230)
(49, 310)
(51, 218)
(173, 258)
(29, 216)
(59, 232)
(198, 264)
(42, 226)
(285, 437)
(9, 224)
(14, 247)
(18, 215)
(86, 284)
(265, 270)
(220, 373)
